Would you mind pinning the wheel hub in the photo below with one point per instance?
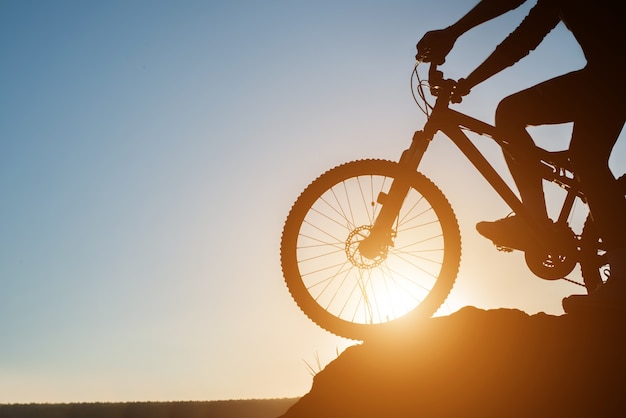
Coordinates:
(363, 251)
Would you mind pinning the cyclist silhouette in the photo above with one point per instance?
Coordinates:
(592, 98)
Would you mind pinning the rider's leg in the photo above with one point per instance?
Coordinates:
(592, 141)
(519, 155)
(554, 101)
(537, 105)
(595, 132)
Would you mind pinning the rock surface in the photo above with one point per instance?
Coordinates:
(480, 363)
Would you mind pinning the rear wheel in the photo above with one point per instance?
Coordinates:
(593, 261)
(593, 264)
(356, 295)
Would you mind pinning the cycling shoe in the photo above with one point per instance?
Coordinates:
(510, 232)
(610, 297)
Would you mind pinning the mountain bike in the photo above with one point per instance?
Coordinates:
(372, 245)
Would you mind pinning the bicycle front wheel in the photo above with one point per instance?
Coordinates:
(347, 293)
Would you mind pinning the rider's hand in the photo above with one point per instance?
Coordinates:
(435, 45)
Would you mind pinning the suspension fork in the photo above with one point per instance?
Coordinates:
(381, 234)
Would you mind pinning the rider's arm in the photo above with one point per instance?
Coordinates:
(436, 44)
(541, 19)
(485, 10)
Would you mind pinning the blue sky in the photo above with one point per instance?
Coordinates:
(149, 153)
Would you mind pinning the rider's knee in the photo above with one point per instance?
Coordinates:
(507, 114)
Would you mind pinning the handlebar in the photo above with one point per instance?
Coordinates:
(444, 87)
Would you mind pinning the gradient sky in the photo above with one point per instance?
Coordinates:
(150, 151)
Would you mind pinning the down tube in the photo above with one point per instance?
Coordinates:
(496, 181)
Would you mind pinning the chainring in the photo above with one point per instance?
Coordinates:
(556, 261)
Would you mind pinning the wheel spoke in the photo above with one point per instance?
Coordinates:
(396, 279)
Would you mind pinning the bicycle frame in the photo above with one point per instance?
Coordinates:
(451, 123)
(373, 245)
(553, 167)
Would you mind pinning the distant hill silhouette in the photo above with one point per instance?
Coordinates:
(478, 363)
(247, 408)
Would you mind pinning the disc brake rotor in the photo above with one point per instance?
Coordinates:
(354, 254)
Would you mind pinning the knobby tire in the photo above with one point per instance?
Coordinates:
(351, 295)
